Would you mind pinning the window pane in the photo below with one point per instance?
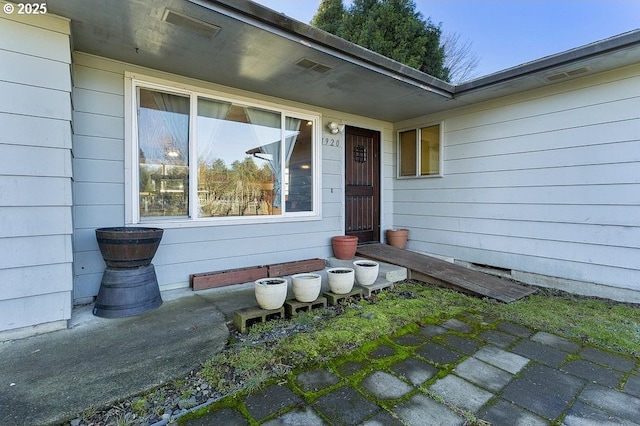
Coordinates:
(299, 165)
(239, 160)
(163, 138)
(430, 150)
(408, 161)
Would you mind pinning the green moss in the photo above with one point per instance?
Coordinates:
(230, 402)
(350, 336)
(601, 322)
(139, 406)
(241, 367)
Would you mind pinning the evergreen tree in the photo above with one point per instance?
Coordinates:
(392, 28)
(329, 16)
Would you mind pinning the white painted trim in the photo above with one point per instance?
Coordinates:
(417, 128)
(132, 209)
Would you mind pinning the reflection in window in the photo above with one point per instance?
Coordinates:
(299, 167)
(419, 150)
(408, 153)
(430, 150)
(163, 138)
(245, 160)
(238, 149)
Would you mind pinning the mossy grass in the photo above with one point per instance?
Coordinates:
(605, 323)
(333, 339)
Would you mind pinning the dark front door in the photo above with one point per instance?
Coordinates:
(362, 184)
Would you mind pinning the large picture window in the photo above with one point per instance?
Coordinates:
(419, 152)
(199, 157)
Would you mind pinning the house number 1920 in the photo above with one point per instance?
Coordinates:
(331, 142)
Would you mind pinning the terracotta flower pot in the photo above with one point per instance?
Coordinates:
(344, 246)
(397, 237)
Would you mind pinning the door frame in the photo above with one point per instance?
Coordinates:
(377, 134)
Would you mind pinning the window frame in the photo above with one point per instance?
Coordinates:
(418, 130)
(134, 81)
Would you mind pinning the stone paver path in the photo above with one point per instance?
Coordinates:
(460, 371)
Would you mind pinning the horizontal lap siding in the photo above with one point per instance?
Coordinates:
(35, 172)
(99, 193)
(547, 183)
(388, 193)
(98, 148)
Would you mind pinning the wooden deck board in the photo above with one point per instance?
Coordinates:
(446, 274)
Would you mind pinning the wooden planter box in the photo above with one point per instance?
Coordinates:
(252, 273)
(297, 267)
(228, 277)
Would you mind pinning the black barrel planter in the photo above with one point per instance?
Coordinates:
(129, 284)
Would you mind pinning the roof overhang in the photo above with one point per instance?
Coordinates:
(241, 44)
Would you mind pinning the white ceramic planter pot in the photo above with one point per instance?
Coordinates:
(306, 287)
(271, 292)
(366, 271)
(341, 280)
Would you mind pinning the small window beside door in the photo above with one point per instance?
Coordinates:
(420, 152)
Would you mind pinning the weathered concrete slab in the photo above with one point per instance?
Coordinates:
(63, 373)
(385, 386)
(482, 374)
(507, 413)
(415, 370)
(306, 417)
(270, 400)
(461, 393)
(507, 361)
(422, 410)
(316, 380)
(345, 406)
(612, 401)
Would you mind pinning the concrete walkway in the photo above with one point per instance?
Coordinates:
(458, 371)
(443, 374)
(54, 376)
(49, 378)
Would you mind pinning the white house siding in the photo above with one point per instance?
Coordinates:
(99, 190)
(546, 183)
(35, 175)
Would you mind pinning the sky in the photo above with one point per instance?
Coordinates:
(507, 33)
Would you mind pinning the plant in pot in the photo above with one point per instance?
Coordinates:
(271, 292)
(306, 287)
(344, 246)
(397, 237)
(341, 280)
(366, 271)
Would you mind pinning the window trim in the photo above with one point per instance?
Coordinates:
(418, 128)
(131, 181)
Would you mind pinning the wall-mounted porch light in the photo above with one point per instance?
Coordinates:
(335, 128)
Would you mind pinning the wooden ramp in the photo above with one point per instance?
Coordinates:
(439, 272)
